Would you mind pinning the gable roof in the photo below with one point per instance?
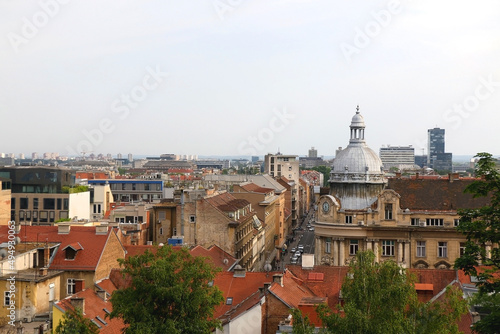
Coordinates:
(75, 246)
(239, 288)
(252, 187)
(89, 244)
(96, 310)
(226, 202)
(292, 291)
(218, 256)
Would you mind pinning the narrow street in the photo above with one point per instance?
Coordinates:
(302, 236)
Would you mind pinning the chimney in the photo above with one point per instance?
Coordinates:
(278, 278)
(63, 229)
(398, 175)
(239, 271)
(78, 303)
(417, 175)
(101, 230)
(46, 255)
(102, 294)
(79, 285)
(43, 271)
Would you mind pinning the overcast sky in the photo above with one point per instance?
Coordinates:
(246, 77)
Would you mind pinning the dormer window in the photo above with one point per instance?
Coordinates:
(71, 250)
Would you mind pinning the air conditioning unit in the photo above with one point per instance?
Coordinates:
(421, 223)
(231, 215)
(361, 223)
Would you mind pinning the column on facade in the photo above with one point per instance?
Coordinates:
(375, 250)
(400, 251)
(335, 252)
(368, 244)
(341, 252)
(317, 251)
(407, 253)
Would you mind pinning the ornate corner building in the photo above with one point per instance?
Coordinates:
(410, 220)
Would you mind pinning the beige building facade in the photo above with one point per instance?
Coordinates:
(410, 220)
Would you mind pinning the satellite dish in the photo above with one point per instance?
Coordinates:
(17, 240)
(268, 267)
(160, 244)
(3, 253)
(225, 261)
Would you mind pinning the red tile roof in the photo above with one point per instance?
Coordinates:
(94, 307)
(252, 187)
(292, 291)
(329, 287)
(424, 287)
(226, 202)
(333, 277)
(215, 253)
(465, 322)
(87, 259)
(219, 257)
(75, 245)
(106, 285)
(239, 288)
(435, 194)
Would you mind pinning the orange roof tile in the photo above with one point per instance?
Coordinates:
(219, 257)
(424, 287)
(252, 187)
(95, 307)
(239, 288)
(215, 253)
(291, 293)
(106, 285)
(87, 259)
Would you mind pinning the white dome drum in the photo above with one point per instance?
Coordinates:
(357, 175)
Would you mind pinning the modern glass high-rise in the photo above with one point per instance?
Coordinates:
(436, 156)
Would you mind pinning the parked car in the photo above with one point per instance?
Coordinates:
(301, 248)
(311, 229)
(294, 260)
(298, 254)
(293, 250)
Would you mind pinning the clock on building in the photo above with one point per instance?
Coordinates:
(326, 207)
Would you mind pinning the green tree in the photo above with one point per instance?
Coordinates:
(482, 228)
(73, 322)
(301, 323)
(170, 292)
(381, 298)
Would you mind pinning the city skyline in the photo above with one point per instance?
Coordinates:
(232, 78)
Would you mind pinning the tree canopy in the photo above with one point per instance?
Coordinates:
(170, 292)
(73, 322)
(380, 297)
(482, 229)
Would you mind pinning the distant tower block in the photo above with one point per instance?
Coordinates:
(313, 153)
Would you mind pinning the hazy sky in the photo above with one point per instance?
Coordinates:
(246, 77)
